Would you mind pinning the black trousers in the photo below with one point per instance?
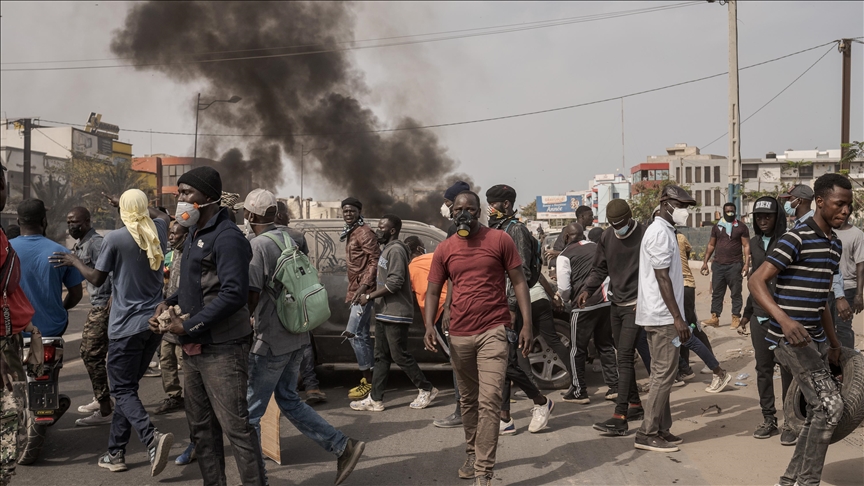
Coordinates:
(543, 318)
(765, 369)
(515, 373)
(625, 332)
(583, 325)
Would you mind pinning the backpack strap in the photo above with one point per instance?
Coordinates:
(284, 244)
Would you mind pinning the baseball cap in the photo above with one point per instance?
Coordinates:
(259, 201)
(765, 204)
(801, 191)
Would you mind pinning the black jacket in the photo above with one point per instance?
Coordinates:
(758, 254)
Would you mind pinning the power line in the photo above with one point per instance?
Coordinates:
(545, 24)
(481, 120)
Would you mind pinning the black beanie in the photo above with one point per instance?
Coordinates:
(501, 193)
(352, 201)
(205, 179)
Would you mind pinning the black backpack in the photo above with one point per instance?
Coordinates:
(536, 262)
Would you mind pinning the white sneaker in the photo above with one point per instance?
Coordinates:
(540, 416)
(95, 418)
(506, 428)
(424, 398)
(718, 384)
(90, 407)
(368, 404)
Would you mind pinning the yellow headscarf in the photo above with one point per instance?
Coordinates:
(134, 213)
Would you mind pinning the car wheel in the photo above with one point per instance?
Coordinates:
(852, 391)
(546, 367)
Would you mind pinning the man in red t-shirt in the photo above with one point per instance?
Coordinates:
(478, 261)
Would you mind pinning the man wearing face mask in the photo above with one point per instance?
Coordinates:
(395, 314)
(660, 312)
(94, 337)
(216, 339)
(730, 246)
(478, 261)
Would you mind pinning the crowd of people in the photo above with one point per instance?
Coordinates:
(628, 287)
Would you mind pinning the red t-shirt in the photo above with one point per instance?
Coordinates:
(478, 266)
(19, 307)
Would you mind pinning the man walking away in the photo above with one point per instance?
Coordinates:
(216, 338)
(274, 362)
(803, 261)
(502, 215)
(362, 252)
(852, 270)
(42, 282)
(476, 261)
(133, 255)
(94, 337)
(769, 224)
(574, 266)
(730, 246)
(660, 311)
(617, 257)
(395, 315)
(170, 349)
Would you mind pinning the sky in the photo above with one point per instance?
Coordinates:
(497, 75)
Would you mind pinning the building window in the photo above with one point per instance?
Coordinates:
(698, 217)
(678, 174)
(716, 173)
(707, 174)
(707, 197)
(805, 171)
(698, 174)
(662, 175)
(749, 172)
(717, 198)
(690, 220)
(699, 198)
(616, 195)
(688, 171)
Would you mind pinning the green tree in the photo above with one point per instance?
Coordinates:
(55, 193)
(647, 197)
(529, 210)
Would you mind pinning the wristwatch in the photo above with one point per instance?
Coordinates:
(368, 296)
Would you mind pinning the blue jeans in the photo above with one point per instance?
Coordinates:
(307, 369)
(277, 376)
(128, 359)
(844, 331)
(362, 338)
(697, 346)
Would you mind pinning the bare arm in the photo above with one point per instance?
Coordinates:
(523, 298)
(859, 291)
(667, 292)
(73, 296)
(831, 334)
(252, 301)
(95, 277)
(745, 247)
(758, 285)
(433, 294)
(708, 253)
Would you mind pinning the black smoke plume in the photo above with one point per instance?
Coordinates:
(285, 96)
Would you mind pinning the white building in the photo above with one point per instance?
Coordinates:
(605, 188)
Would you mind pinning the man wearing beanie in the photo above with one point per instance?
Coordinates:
(216, 337)
(361, 254)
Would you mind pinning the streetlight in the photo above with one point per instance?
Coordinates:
(304, 153)
(201, 107)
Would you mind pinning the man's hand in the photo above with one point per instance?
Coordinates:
(60, 259)
(176, 326)
(844, 311)
(581, 299)
(112, 200)
(744, 271)
(557, 303)
(445, 319)
(742, 326)
(430, 340)
(859, 303)
(683, 330)
(834, 356)
(795, 333)
(704, 270)
(526, 338)
(154, 321)
(363, 300)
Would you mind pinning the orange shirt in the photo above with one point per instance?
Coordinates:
(419, 271)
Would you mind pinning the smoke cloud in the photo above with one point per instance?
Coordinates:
(281, 97)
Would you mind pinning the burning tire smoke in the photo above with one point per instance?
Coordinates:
(284, 96)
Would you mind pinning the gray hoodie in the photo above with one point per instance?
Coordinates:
(396, 306)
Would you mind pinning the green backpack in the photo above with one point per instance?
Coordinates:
(301, 300)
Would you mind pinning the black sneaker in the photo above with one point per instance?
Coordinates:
(788, 437)
(449, 422)
(572, 397)
(655, 444)
(670, 437)
(766, 429)
(115, 463)
(611, 394)
(348, 460)
(170, 404)
(159, 447)
(613, 426)
(467, 469)
(635, 413)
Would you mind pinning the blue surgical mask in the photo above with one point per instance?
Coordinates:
(623, 230)
(787, 206)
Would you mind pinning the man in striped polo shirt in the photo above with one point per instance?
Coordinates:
(805, 261)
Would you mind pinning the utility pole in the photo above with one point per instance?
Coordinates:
(845, 48)
(25, 189)
(734, 167)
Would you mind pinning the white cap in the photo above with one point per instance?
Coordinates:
(259, 201)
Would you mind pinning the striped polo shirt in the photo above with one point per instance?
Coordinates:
(807, 259)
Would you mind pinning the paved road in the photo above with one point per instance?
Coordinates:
(405, 449)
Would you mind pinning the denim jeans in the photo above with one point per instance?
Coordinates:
(824, 409)
(277, 376)
(625, 332)
(697, 346)
(307, 369)
(664, 368)
(844, 331)
(391, 346)
(690, 317)
(216, 387)
(583, 325)
(723, 276)
(361, 339)
(128, 359)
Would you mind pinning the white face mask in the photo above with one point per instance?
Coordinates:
(187, 214)
(445, 210)
(679, 216)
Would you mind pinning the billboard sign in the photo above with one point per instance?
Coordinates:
(558, 207)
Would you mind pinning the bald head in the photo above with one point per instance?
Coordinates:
(573, 232)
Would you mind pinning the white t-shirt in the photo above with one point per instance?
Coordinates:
(853, 254)
(659, 249)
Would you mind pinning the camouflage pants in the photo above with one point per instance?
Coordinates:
(94, 349)
(11, 406)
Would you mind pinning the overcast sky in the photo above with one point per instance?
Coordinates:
(488, 76)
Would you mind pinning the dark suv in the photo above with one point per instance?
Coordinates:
(327, 254)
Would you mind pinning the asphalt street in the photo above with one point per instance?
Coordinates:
(404, 448)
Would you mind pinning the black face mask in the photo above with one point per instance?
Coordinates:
(76, 232)
(382, 237)
(463, 220)
(729, 217)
